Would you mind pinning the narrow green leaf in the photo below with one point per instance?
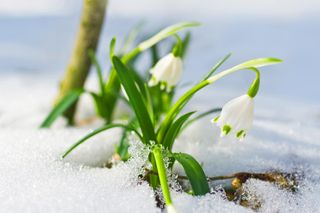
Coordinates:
(248, 65)
(95, 62)
(158, 37)
(122, 148)
(154, 55)
(256, 63)
(149, 104)
(135, 99)
(101, 106)
(129, 39)
(112, 47)
(174, 130)
(194, 173)
(165, 33)
(139, 81)
(185, 45)
(97, 131)
(216, 66)
(61, 107)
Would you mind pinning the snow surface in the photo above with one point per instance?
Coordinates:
(33, 178)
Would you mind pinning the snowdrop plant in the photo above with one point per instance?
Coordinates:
(160, 134)
(106, 98)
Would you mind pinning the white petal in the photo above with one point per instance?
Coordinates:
(237, 113)
(168, 70)
(230, 111)
(162, 64)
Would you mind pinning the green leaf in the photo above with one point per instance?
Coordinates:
(256, 63)
(61, 107)
(194, 173)
(122, 148)
(154, 54)
(165, 33)
(130, 38)
(158, 37)
(174, 130)
(139, 81)
(97, 131)
(216, 66)
(185, 44)
(248, 65)
(112, 47)
(95, 62)
(135, 99)
(101, 105)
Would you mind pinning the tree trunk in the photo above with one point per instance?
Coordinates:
(92, 17)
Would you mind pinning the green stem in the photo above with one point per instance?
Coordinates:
(162, 175)
(154, 179)
(254, 88)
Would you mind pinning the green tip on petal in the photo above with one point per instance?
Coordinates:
(241, 134)
(163, 85)
(215, 120)
(226, 130)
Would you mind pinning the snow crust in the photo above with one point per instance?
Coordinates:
(33, 178)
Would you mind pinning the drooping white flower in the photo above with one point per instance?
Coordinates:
(168, 71)
(236, 116)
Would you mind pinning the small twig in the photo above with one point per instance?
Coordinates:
(215, 178)
(242, 176)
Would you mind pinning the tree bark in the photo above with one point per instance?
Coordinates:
(91, 23)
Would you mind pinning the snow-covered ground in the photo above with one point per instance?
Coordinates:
(33, 178)
(36, 41)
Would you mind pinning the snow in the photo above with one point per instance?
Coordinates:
(34, 178)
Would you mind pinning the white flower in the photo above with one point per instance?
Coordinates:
(236, 116)
(168, 71)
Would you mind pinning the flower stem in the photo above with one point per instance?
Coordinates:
(162, 174)
(254, 88)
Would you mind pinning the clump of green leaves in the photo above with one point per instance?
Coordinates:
(109, 89)
(156, 120)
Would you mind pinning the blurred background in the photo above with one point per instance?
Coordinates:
(37, 37)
